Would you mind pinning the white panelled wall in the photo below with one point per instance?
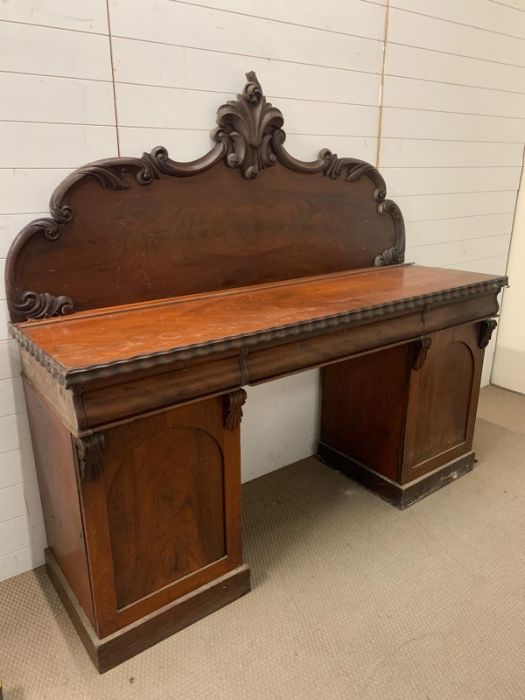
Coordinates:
(432, 91)
(509, 361)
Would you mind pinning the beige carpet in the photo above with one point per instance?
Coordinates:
(352, 598)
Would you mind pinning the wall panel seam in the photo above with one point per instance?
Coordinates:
(453, 218)
(52, 26)
(453, 241)
(115, 108)
(289, 133)
(459, 24)
(428, 138)
(448, 194)
(44, 122)
(246, 55)
(449, 167)
(466, 262)
(447, 111)
(447, 82)
(504, 4)
(23, 516)
(460, 55)
(227, 95)
(521, 183)
(52, 75)
(273, 19)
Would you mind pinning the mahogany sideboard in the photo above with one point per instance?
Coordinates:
(155, 292)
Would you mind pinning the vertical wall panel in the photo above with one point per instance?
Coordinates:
(57, 112)
(453, 123)
(509, 365)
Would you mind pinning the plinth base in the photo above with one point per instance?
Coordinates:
(399, 495)
(131, 640)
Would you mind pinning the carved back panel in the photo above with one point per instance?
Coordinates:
(132, 229)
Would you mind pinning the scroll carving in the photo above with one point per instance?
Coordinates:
(351, 170)
(33, 305)
(90, 455)
(420, 354)
(396, 254)
(233, 403)
(249, 136)
(486, 330)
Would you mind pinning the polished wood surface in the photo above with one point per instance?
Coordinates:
(89, 399)
(124, 333)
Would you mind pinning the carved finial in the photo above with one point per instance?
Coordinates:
(246, 127)
(233, 403)
(485, 332)
(90, 456)
(252, 90)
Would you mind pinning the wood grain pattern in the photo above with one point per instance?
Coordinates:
(364, 408)
(163, 518)
(443, 402)
(165, 501)
(125, 339)
(58, 485)
(120, 397)
(386, 419)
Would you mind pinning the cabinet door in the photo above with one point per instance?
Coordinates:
(443, 401)
(162, 517)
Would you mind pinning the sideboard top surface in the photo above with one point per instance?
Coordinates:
(198, 325)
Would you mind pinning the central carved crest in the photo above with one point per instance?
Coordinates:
(246, 128)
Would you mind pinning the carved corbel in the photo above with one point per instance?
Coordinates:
(233, 403)
(485, 332)
(421, 351)
(90, 456)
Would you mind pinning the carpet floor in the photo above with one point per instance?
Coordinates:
(351, 598)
